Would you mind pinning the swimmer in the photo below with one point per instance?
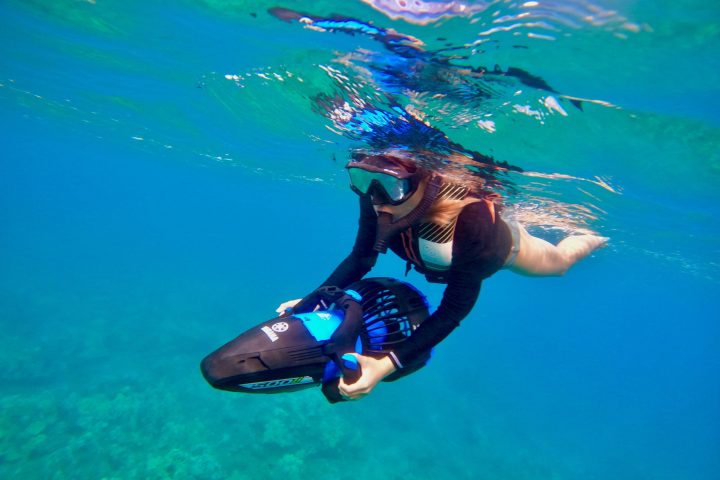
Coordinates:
(450, 232)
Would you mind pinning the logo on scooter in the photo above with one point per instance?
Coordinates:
(271, 335)
(280, 327)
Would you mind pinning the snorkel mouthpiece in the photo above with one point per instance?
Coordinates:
(384, 223)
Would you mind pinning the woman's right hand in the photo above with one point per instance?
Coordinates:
(285, 306)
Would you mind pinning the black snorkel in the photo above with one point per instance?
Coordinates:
(387, 228)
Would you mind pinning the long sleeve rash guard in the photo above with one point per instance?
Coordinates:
(481, 243)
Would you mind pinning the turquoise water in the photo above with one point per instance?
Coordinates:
(152, 207)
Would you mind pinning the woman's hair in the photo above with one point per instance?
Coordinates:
(446, 210)
(454, 196)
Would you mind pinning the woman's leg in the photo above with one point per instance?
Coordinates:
(536, 257)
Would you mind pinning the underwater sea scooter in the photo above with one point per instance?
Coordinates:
(309, 345)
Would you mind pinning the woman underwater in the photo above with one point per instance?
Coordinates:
(450, 231)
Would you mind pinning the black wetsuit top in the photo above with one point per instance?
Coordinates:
(481, 243)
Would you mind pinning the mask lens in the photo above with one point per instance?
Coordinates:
(395, 188)
(362, 181)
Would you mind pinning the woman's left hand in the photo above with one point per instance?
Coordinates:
(373, 370)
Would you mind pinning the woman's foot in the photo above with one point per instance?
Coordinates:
(577, 247)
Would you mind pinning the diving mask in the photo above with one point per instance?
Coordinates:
(384, 182)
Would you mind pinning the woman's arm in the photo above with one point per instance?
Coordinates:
(460, 295)
(458, 300)
(464, 281)
(472, 261)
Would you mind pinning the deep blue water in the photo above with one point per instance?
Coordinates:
(151, 210)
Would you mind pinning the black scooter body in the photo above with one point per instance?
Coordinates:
(305, 348)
